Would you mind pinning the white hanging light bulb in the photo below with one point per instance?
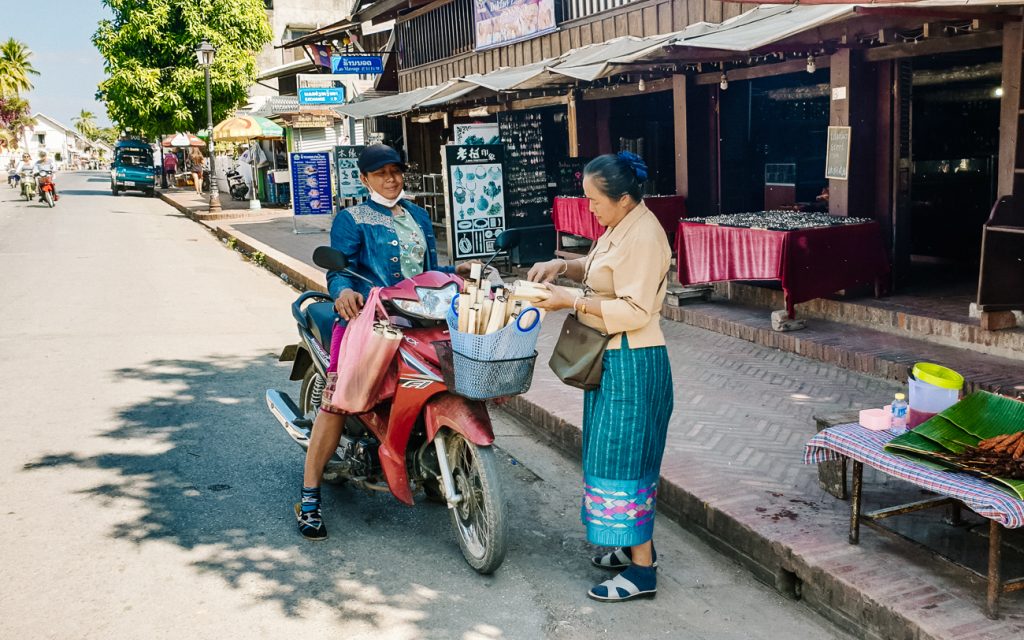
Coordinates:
(723, 82)
(811, 66)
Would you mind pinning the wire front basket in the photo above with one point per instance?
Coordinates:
(484, 379)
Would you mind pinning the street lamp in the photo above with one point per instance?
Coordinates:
(204, 54)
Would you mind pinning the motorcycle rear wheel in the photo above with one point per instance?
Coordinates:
(479, 519)
(311, 392)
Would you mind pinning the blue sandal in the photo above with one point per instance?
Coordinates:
(634, 582)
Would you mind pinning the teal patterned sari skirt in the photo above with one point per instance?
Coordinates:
(625, 422)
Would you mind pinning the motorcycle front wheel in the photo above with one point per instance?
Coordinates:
(479, 517)
(49, 198)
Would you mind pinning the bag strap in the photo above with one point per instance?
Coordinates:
(373, 301)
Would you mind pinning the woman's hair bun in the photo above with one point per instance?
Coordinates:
(636, 163)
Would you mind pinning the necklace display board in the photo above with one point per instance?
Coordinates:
(526, 177)
(529, 203)
(476, 199)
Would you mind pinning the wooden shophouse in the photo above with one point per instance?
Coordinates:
(731, 104)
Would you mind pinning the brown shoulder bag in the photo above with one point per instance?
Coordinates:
(578, 357)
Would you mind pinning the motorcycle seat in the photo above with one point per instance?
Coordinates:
(321, 317)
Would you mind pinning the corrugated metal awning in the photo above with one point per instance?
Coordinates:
(749, 32)
(391, 105)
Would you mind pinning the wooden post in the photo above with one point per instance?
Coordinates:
(715, 149)
(1010, 107)
(679, 130)
(839, 116)
(574, 133)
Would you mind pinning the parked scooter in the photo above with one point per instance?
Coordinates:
(13, 178)
(47, 190)
(236, 185)
(28, 185)
(425, 436)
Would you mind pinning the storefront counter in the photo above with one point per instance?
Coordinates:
(572, 216)
(810, 263)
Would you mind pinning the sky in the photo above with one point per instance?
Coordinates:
(59, 32)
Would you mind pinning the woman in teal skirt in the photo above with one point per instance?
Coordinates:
(625, 420)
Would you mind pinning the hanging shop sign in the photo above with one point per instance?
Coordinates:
(311, 121)
(311, 182)
(476, 198)
(485, 133)
(501, 22)
(362, 64)
(349, 185)
(322, 95)
(837, 158)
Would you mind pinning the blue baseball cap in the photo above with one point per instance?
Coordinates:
(376, 156)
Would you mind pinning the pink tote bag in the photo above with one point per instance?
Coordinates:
(367, 374)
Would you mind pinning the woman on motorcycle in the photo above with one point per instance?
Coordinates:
(386, 240)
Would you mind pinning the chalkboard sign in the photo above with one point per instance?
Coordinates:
(837, 160)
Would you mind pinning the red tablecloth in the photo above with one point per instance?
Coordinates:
(810, 263)
(572, 215)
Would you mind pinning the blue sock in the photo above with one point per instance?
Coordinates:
(310, 499)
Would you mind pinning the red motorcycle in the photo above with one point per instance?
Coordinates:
(47, 190)
(425, 437)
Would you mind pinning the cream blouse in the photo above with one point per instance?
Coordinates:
(626, 274)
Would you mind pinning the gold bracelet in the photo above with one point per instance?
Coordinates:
(583, 304)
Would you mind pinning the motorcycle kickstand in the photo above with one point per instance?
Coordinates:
(447, 481)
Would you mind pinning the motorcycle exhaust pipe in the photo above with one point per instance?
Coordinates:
(288, 415)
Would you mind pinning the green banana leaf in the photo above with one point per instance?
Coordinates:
(947, 434)
(977, 417)
(986, 415)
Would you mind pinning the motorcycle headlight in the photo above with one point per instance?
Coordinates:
(433, 303)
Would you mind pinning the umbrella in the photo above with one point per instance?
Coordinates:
(183, 140)
(245, 128)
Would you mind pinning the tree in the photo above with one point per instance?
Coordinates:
(15, 68)
(108, 135)
(15, 116)
(154, 83)
(85, 124)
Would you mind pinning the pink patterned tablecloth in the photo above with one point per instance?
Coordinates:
(863, 445)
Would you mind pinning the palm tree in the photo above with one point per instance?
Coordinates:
(15, 67)
(85, 124)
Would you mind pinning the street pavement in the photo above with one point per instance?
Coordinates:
(147, 491)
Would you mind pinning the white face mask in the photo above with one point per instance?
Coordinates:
(381, 200)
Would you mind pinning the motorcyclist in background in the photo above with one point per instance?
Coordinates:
(44, 164)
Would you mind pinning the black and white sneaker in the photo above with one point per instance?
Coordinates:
(311, 523)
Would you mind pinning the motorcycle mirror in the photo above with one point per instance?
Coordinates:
(507, 240)
(330, 259)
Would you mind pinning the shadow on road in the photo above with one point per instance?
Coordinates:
(83, 192)
(224, 485)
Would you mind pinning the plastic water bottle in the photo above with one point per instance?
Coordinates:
(899, 414)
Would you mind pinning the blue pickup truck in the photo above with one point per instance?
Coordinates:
(133, 168)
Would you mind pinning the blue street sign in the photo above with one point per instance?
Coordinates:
(357, 64)
(332, 95)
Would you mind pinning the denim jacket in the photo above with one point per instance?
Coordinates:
(365, 233)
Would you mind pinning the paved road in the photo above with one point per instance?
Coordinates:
(147, 492)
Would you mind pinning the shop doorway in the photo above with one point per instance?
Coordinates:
(955, 105)
(643, 124)
(773, 139)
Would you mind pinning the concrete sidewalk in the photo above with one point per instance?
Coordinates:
(733, 470)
